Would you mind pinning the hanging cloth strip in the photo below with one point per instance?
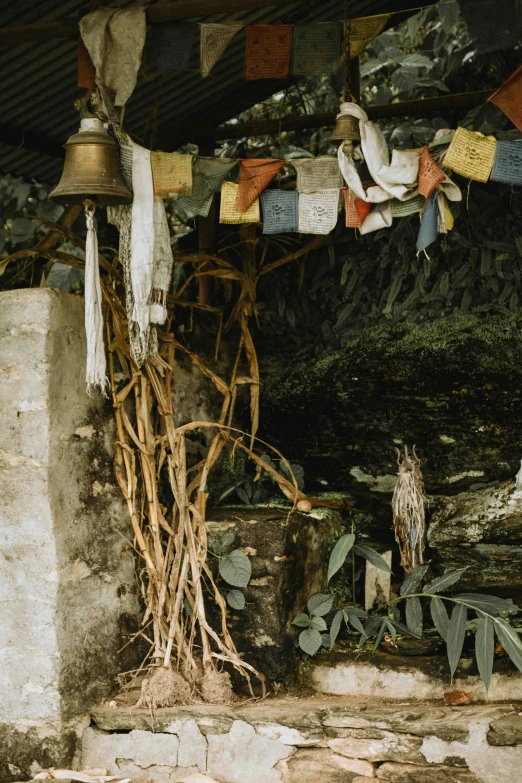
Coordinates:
(397, 179)
(114, 38)
(254, 176)
(95, 374)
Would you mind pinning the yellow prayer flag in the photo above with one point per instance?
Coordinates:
(359, 32)
(171, 173)
(229, 213)
(471, 154)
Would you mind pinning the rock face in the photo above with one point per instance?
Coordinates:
(303, 741)
(67, 585)
(483, 531)
(289, 557)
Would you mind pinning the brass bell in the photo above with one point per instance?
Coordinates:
(91, 169)
(346, 128)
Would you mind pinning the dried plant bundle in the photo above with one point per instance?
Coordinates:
(408, 506)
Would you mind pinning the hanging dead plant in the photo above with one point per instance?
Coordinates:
(408, 504)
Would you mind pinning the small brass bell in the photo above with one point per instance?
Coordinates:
(91, 170)
(346, 128)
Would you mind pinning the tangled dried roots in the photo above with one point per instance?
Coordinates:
(164, 688)
(216, 688)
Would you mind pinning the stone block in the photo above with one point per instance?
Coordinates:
(67, 583)
(242, 756)
(412, 773)
(289, 557)
(506, 731)
(311, 765)
(135, 754)
(374, 745)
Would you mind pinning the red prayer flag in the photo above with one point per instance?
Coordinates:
(356, 209)
(508, 98)
(430, 175)
(254, 177)
(268, 50)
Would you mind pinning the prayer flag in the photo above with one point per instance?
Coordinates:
(359, 32)
(171, 173)
(471, 154)
(355, 208)
(229, 213)
(280, 211)
(429, 223)
(405, 208)
(268, 50)
(318, 212)
(315, 174)
(207, 176)
(169, 46)
(315, 48)
(509, 98)
(508, 163)
(214, 40)
(256, 174)
(430, 175)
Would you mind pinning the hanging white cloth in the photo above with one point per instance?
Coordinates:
(142, 235)
(95, 374)
(114, 38)
(397, 179)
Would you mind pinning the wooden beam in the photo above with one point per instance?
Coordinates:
(422, 106)
(156, 14)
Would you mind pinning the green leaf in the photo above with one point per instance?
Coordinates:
(449, 577)
(440, 617)
(380, 635)
(372, 557)
(370, 627)
(414, 616)
(318, 624)
(486, 603)
(402, 628)
(339, 553)
(235, 568)
(320, 604)
(326, 641)
(301, 620)
(510, 641)
(456, 634)
(449, 15)
(227, 539)
(417, 61)
(485, 649)
(354, 618)
(336, 627)
(310, 641)
(236, 599)
(413, 580)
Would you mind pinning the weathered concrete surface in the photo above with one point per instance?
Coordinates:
(483, 531)
(289, 557)
(306, 740)
(67, 594)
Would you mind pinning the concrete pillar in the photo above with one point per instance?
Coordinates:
(68, 595)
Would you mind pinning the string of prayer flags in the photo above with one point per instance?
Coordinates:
(430, 175)
(359, 32)
(429, 224)
(214, 40)
(405, 208)
(471, 154)
(229, 213)
(508, 98)
(171, 173)
(315, 174)
(255, 175)
(318, 212)
(207, 176)
(507, 167)
(491, 28)
(280, 211)
(268, 51)
(169, 46)
(316, 48)
(356, 210)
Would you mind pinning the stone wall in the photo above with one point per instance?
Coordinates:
(67, 585)
(304, 741)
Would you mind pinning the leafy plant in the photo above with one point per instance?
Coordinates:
(234, 567)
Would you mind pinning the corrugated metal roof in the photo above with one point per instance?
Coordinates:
(39, 83)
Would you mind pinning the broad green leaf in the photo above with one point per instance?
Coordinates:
(402, 628)
(370, 627)
(485, 649)
(391, 629)
(413, 580)
(318, 624)
(456, 634)
(510, 641)
(336, 627)
(325, 640)
(440, 617)
(414, 616)
(449, 15)
(227, 539)
(320, 604)
(449, 577)
(339, 553)
(301, 620)
(310, 641)
(372, 557)
(380, 635)
(235, 568)
(236, 599)
(485, 603)
(417, 61)
(354, 619)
